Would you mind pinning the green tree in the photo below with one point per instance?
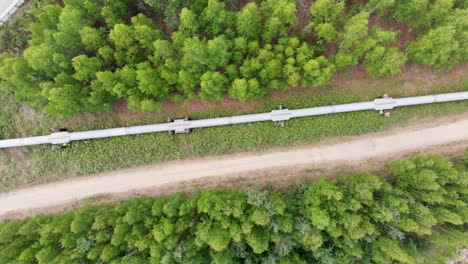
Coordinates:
(218, 52)
(458, 18)
(83, 220)
(258, 240)
(424, 178)
(150, 83)
(216, 18)
(326, 11)
(356, 29)
(145, 32)
(438, 47)
(242, 89)
(213, 86)
(412, 10)
(249, 22)
(326, 31)
(383, 61)
(163, 50)
(86, 67)
(317, 72)
(65, 96)
(40, 58)
(218, 239)
(117, 12)
(187, 83)
(123, 36)
(188, 22)
(195, 55)
(423, 13)
(280, 17)
(23, 78)
(71, 21)
(386, 250)
(92, 38)
(109, 252)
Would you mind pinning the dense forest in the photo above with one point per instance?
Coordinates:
(360, 217)
(83, 55)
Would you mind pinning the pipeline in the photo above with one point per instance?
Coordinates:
(10, 10)
(383, 104)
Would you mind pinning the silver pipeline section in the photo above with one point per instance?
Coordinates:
(183, 125)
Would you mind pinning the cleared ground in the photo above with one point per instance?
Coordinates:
(122, 181)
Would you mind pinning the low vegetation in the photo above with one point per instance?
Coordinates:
(415, 215)
(40, 163)
(83, 55)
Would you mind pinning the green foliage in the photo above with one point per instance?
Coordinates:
(328, 220)
(169, 45)
(326, 11)
(242, 89)
(213, 86)
(317, 72)
(92, 38)
(216, 18)
(423, 13)
(356, 29)
(386, 250)
(437, 48)
(249, 22)
(85, 67)
(326, 31)
(218, 52)
(188, 22)
(280, 17)
(383, 61)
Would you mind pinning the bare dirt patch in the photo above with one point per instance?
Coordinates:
(242, 169)
(278, 179)
(182, 109)
(413, 78)
(303, 13)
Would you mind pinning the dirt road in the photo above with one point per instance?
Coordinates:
(358, 149)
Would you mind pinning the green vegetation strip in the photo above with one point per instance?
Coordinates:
(40, 164)
(415, 215)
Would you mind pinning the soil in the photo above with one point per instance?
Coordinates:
(287, 164)
(414, 78)
(303, 13)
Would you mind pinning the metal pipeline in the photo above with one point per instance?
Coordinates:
(183, 125)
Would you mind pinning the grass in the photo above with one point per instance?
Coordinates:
(41, 164)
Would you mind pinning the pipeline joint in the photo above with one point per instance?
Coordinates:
(179, 126)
